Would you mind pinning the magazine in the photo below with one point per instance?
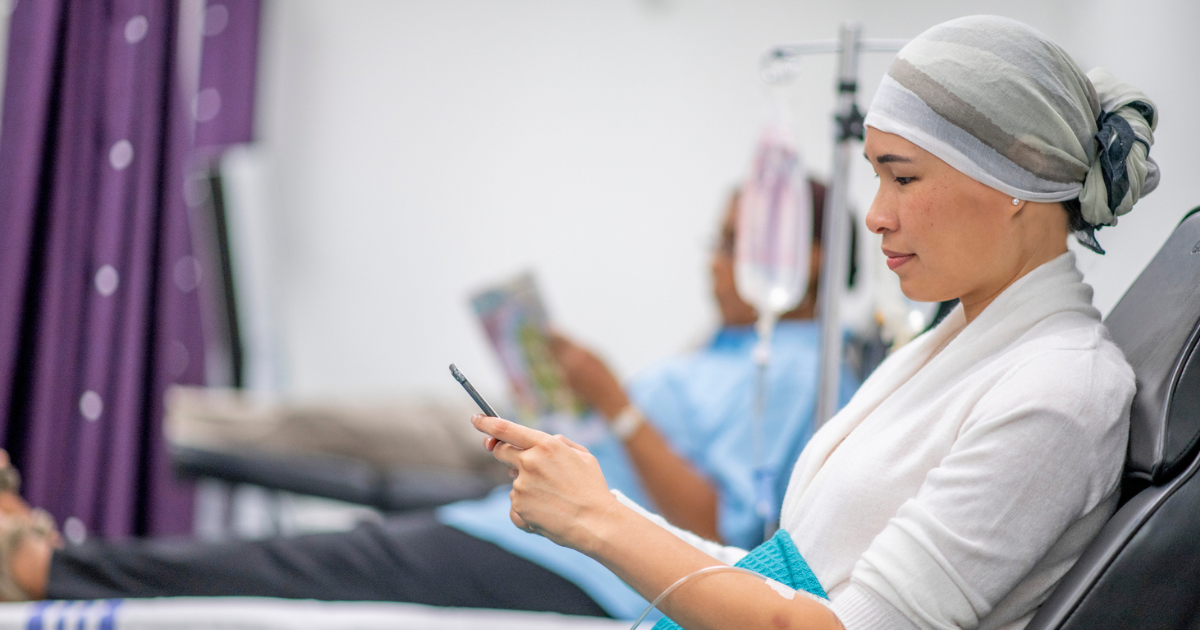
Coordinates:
(515, 321)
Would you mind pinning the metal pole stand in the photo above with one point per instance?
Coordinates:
(835, 241)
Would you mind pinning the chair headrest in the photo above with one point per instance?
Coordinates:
(1157, 325)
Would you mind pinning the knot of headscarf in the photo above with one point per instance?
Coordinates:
(1001, 103)
(1115, 139)
(1122, 171)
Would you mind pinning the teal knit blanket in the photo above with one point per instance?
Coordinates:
(776, 559)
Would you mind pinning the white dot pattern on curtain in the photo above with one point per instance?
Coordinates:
(102, 95)
(136, 28)
(107, 280)
(125, 210)
(224, 108)
(187, 274)
(109, 316)
(208, 105)
(121, 155)
(74, 530)
(91, 406)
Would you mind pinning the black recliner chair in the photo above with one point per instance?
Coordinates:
(1143, 570)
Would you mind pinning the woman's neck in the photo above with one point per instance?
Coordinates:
(974, 303)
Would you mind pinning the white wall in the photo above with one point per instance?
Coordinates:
(413, 151)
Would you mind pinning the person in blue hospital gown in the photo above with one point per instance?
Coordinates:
(678, 439)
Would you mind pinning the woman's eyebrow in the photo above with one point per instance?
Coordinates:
(887, 157)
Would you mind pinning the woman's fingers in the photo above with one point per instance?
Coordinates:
(509, 455)
(508, 432)
(556, 482)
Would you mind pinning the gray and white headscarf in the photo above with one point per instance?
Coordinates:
(1000, 102)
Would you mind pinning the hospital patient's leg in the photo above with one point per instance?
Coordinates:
(406, 559)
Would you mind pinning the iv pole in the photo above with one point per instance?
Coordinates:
(834, 234)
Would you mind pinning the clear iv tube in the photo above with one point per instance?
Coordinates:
(764, 479)
(685, 579)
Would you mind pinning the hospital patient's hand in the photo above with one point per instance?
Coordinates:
(559, 490)
(680, 491)
(589, 377)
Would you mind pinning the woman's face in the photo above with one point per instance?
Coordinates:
(944, 234)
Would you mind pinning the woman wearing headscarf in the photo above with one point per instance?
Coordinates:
(975, 465)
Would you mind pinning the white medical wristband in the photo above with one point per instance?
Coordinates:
(627, 423)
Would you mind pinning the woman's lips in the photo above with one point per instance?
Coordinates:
(895, 259)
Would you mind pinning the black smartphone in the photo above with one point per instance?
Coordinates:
(462, 380)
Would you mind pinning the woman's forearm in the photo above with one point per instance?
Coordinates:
(559, 492)
(650, 559)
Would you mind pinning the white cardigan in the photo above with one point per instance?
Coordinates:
(957, 487)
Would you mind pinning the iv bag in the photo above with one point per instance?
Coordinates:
(774, 229)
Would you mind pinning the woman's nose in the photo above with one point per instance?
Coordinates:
(879, 218)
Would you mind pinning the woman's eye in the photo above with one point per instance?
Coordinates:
(904, 180)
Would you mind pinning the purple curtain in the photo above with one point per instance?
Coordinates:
(228, 73)
(99, 308)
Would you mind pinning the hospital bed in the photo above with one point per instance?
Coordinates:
(1142, 571)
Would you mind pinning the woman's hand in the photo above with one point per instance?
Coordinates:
(558, 488)
(589, 377)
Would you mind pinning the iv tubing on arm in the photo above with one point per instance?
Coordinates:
(783, 590)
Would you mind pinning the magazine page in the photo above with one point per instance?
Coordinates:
(514, 318)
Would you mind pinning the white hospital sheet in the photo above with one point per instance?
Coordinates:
(260, 613)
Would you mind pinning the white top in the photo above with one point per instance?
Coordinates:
(957, 487)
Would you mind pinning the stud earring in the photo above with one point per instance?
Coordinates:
(1016, 202)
